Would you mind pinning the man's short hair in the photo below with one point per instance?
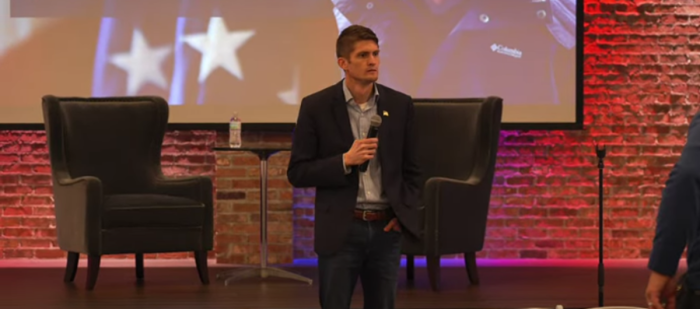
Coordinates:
(351, 35)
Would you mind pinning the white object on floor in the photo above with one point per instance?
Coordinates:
(618, 307)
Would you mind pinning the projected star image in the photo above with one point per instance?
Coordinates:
(218, 47)
(143, 64)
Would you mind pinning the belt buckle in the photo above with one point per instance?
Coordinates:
(364, 215)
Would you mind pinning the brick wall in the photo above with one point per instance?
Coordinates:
(640, 89)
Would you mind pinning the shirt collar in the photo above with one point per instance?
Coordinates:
(348, 95)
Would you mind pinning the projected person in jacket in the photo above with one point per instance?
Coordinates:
(523, 50)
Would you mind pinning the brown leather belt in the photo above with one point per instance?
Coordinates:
(373, 215)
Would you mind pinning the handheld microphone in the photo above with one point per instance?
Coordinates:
(374, 124)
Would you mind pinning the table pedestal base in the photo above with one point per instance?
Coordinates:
(260, 272)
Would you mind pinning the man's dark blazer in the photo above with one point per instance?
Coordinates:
(321, 137)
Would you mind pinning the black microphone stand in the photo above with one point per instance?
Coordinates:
(600, 152)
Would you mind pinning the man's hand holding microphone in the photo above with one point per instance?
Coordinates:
(365, 149)
(362, 151)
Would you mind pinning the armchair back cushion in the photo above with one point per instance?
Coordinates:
(457, 145)
(118, 142)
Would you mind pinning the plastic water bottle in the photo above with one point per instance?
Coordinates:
(234, 137)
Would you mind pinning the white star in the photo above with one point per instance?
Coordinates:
(291, 96)
(142, 63)
(218, 48)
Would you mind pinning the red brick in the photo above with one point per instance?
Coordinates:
(43, 211)
(8, 243)
(49, 254)
(246, 207)
(234, 218)
(174, 255)
(231, 195)
(17, 232)
(36, 200)
(9, 179)
(17, 169)
(18, 253)
(35, 179)
(6, 222)
(246, 160)
(35, 243)
(17, 190)
(246, 183)
(38, 222)
(533, 254)
(7, 201)
(46, 233)
(231, 172)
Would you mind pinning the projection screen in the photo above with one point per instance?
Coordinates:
(259, 58)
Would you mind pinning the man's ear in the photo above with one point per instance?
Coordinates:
(343, 63)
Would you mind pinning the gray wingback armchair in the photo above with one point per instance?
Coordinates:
(457, 145)
(110, 194)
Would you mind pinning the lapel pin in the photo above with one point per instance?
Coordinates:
(386, 114)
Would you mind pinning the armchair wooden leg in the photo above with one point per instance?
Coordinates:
(470, 263)
(71, 266)
(200, 258)
(93, 270)
(139, 266)
(434, 272)
(410, 267)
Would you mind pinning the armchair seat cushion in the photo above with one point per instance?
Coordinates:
(151, 210)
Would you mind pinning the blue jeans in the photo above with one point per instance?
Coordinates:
(368, 253)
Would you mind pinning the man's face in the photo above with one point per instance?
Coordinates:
(363, 64)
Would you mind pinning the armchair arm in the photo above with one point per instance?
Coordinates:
(455, 215)
(77, 203)
(198, 188)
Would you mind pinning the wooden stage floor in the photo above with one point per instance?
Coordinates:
(539, 284)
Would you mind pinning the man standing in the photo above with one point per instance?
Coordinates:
(360, 216)
(677, 228)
